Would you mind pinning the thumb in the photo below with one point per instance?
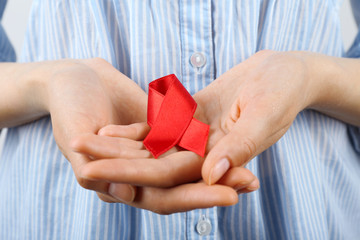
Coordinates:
(238, 147)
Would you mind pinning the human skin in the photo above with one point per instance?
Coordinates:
(271, 89)
(83, 96)
(171, 183)
(80, 95)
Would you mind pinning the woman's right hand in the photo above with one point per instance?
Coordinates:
(84, 97)
(81, 97)
(172, 183)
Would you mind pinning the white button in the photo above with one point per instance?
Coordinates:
(203, 227)
(198, 60)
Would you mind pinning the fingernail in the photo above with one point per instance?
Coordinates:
(238, 187)
(219, 170)
(122, 192)
(255, 185)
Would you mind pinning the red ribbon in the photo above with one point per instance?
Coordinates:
(170, 116)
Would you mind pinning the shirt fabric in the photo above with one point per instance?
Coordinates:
(7, 53)
(309, 178)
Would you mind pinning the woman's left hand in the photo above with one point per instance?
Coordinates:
(248, 108)
(169, 184)
(251, 106)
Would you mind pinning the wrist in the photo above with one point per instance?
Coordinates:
(335, 86)
(35, 82)
(24, 90)
(322, 75)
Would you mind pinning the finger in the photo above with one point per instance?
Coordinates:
(77, 162)
(170, 152)
(238, 178)
(248, 137)
(255, 185)
(180, 167)
(136, 131)
(107, 198)
(109, 147)
(184, 197)
(101, 187)
(124, 193)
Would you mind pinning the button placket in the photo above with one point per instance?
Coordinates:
(204, 227)
(198, 60)
(197, 69)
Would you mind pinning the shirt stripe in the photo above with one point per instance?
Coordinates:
(309, 178)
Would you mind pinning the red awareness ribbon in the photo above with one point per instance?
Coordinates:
(170, 116)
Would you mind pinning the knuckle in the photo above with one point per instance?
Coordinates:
(160, 203)
(135, 131)
(250, 148)
(246, 176)
(111, 131)
(105, 131)
(123, 153)
(99, 60)
(85, 183)
(147, 154)
(171, 182)
(169, 178)
(265, 52)
(77, 143)
(162, 211)
(83, 178)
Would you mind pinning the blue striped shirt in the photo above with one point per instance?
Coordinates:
(309, 179)
(7, 53)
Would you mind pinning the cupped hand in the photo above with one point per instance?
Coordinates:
(171, 183)
(251, 106)
(82, 97)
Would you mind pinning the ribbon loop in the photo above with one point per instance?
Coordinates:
(170, 116)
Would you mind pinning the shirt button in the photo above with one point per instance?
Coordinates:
(203, 227)
(198, 60)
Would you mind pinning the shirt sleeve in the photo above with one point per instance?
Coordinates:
(7, 53)
(354, 52)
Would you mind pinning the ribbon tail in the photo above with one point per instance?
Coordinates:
(195, 137)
